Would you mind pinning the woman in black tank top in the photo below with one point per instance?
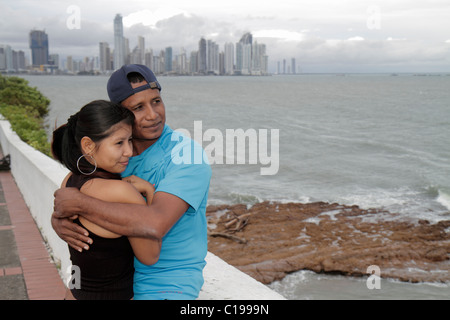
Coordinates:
(95, 145)
(106, 269)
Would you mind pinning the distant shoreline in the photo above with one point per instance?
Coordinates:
(416, 74)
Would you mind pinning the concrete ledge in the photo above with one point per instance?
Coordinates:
(225, 282)
(38, 176)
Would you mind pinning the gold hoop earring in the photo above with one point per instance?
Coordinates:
(78, 164)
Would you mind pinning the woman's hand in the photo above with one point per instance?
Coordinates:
(143, 186)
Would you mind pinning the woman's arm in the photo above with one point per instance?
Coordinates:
(146, 250)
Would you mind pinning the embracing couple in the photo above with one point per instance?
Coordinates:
(134, 220)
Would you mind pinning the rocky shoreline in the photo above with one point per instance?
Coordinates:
(270, 240)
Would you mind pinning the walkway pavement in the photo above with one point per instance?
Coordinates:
(27, 271)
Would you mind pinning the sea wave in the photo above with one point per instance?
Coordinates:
(444, 198)
(429, 203)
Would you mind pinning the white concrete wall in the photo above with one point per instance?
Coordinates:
(38, 176)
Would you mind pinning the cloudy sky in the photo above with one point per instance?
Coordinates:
(323, 35)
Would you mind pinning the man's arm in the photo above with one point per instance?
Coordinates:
(133, 220)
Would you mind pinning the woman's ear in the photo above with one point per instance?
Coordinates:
(87, 145)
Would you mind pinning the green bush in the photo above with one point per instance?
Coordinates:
(25, 108)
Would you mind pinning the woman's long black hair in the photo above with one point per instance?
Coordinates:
(94, 120)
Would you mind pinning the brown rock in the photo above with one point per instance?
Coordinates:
(270, 240)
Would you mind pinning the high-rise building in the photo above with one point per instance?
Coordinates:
(53, 60)
(193, 65)
(244, 54)
(69, 64)
(162, 61)
(251, 57)
(149, 59)
(239, 53)
(180, 60)
(141, 46)
(247, 38)
(168, 59)
(156, 64)
(7, 58)
(135, 57)
(229, 58)
(246, 58)
(259, 59)
(126, 50)
(2, 57)
(18, 60)
(39, 47)
(222, 63)
(105, 56)
(202, 56)
(119, 49)
(212, 57)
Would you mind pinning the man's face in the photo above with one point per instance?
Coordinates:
(150, 113)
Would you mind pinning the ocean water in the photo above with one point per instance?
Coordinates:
(377, 141)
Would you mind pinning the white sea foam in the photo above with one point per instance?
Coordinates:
(444, 199)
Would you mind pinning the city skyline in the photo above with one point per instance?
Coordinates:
(323, 36)
(243, 58)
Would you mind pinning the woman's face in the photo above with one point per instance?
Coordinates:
(112, 153)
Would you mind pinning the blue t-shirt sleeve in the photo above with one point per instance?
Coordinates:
(187, 178)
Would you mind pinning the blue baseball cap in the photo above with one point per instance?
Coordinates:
(119, 87)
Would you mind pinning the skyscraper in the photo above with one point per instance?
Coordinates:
(212, 57)
(39, 47)
(229, 58)
(53, 60)
(247, 38)
(239, 57)
(105, 57)
(244, 54)
(168, 59)
(194, 62)
(251, 57)
(6, 57)
(202, 56)
(119, 51)
(18, 60)
(69, 64)
(149, 59)
(141, 46)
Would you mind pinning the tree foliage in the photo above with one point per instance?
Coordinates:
(25, 108)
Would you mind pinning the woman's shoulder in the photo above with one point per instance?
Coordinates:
(112, 191)
(64, 182)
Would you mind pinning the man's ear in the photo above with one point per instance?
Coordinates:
(87, 145)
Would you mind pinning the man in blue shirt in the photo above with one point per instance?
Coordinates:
(177, 213)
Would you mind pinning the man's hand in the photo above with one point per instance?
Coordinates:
(66, 202)
(65, 210)
(70, 232)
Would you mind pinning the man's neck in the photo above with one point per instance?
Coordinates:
(140, 145)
